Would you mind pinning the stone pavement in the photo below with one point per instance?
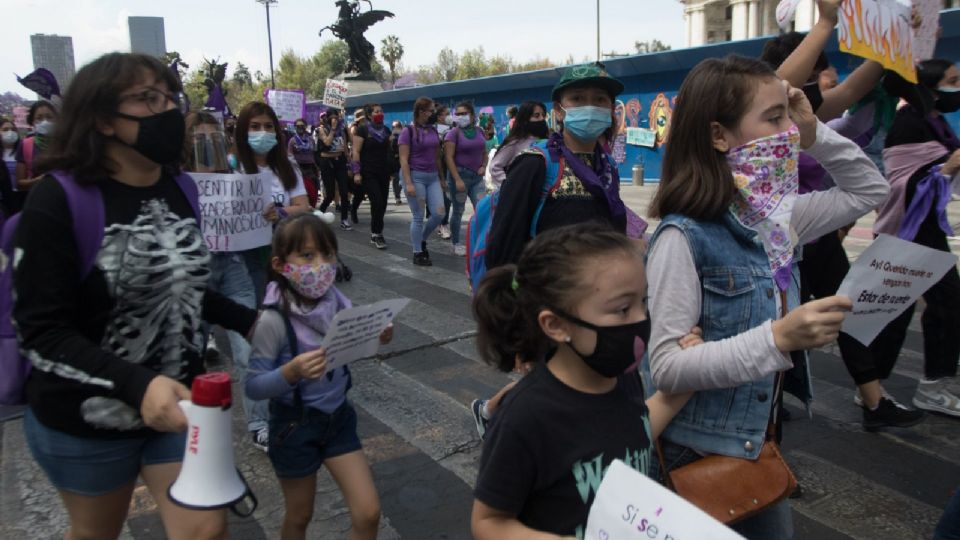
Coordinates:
(420, 439)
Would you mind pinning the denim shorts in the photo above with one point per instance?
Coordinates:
(300, 441)
(95, 467)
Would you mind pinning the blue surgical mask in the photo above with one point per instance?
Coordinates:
(262, 141)
(588, 122)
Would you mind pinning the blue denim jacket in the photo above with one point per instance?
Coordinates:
(738, 293)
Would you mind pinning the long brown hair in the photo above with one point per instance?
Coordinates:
(76, 144)
(276, 157)
(695, 178)
(548, 275)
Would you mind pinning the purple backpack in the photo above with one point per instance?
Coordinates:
(86, 211)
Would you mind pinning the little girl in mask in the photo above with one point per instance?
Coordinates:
(576, 303)
(311, 421)
(723, 259)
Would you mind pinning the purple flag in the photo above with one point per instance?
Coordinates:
(42, 82)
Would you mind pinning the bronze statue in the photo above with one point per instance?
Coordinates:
(350, 26)
(215, 73)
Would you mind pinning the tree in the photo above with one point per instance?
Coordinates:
(447, 64)
(241, 75)
(652, 46)
(169, 57)
(391, 51)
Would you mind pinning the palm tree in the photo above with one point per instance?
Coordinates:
(391, 51)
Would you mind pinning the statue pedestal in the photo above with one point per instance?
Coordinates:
(359, 84)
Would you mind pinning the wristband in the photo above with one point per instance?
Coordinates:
(355, 167)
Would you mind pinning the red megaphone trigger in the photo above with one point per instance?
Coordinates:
(212, 390)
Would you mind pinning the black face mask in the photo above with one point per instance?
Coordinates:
(812, 91)
(432, 119)
(948, 102)
(614, 351)
(539, 129)
(159, 137)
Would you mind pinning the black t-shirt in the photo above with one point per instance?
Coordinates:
(374, 154)
(549, 446)
(569, 204)
(97, 343)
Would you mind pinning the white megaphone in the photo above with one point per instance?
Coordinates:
(208, 478)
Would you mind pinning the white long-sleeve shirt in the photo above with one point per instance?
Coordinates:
(675, 290)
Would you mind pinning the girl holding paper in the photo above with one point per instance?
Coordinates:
(922, 159)
(311, 421)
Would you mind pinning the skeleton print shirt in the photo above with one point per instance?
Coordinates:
(96, 344)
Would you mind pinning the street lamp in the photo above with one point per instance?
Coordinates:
(266, 4)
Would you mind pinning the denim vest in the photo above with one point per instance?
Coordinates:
(738, 293)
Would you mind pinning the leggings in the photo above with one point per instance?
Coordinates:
(377, 186)
(333, 171)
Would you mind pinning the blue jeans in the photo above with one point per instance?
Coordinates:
(475, 189)
(949, 526)
(229, 277)
(774, 523)
(429, 193)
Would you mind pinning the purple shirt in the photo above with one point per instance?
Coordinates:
(423, 148)
(469, 154)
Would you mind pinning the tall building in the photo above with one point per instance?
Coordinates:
(147, 36)
(56, 54)
(712, 21)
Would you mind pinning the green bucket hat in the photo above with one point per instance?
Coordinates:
(587, 75)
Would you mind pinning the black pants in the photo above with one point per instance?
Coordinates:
(822, 270)
(357, 194)
(333, 172)
(395, 178)
(377, 186)
(940, 320)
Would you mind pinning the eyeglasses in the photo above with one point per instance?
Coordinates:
(157, 101)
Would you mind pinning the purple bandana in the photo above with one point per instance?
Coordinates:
(602, 180)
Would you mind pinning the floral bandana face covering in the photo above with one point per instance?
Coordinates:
(766, 175)
(310, 280)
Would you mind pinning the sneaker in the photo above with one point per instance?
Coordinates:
(260, 438)
(398, 201)
(378, 241)
(476, 407)
(858, 399)
(890, 414)
(444, 231)
(938, 396)
(421, 259)
(459, 250)
(345, 225)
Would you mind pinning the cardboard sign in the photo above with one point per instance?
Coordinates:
(641, 137)
(631, 506)
(879, 30)
(289, 105)
(786, 9)
(335, 94)
(888, 277)
(355, 333)
(232, 207)
(925, 37)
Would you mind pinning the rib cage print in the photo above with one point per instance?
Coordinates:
(156, 270)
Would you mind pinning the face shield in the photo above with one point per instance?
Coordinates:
(209, 149)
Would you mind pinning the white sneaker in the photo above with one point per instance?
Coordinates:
(459, 250)
(444, 231)
(938, 396)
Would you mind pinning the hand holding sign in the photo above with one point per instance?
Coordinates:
(357, 332)
(811, 325)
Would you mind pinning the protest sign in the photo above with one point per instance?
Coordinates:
(629, 505)
(879, 30)
(785, 12)
(619, 152)
(641, 137)
(335, 94)
(288, 104)
(925, 36)
(355, 333)
(232, 207)
(20, 117)
(888, 277)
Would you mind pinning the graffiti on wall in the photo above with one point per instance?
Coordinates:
(660, 114)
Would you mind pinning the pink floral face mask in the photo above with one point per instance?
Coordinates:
(765, 173)
(310, 280)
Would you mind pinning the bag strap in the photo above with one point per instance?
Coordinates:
(189, 187)
(87, 214)
(294, 351)
(777, 384)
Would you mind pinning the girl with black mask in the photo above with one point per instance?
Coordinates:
(529, 126)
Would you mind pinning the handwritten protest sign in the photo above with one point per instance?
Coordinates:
(354, 333)
(785, 11)
(335, 94)
(620, 148)
(888, 277)
(879, 30)
(641, 137)
(629, 506)
(925, 37)
(288, 104)
(232, 207)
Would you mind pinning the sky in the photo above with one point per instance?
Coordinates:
(236, 30)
